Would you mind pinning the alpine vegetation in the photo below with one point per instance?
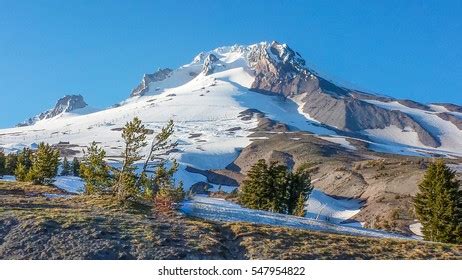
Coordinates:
(438, 204)
(95, 171)
(274, 188)
(129, 182)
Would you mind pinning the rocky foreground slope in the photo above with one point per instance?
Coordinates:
(37, 222)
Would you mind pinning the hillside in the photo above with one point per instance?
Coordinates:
(39, 222)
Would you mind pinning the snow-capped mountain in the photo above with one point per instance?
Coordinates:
(276, 69)
(221, 97)
(66, 104)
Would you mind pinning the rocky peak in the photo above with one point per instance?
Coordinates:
(209, 64)
(284, 55)
(143, 87)
(66, 104)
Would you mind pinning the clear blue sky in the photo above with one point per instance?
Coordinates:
(100, 49)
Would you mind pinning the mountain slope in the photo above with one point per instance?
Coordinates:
(208, 95)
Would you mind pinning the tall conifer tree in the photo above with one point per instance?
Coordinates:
(438, 204)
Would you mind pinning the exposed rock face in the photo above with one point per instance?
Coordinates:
(282, 71)
(450, 117)
(415, 105)
(450, 107)
(354, 115)
(209, 64)
(66, 104)
(157, 76)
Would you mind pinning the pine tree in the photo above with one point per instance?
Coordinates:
(162, 144)
(274, 188)
(298, 188)
(94, 170)
(167, 193)
(11, 162)
(165, 184)
(300, 206)
(134, 135)
(438, 204)
(2, 163)
(66, 167)
(76, 167)
(278, 188)
(21, 172)
(23, 164)
(255, 191)
(45, 165)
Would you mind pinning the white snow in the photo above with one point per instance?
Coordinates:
(323, 207)
(442, 109)
(395, 135)
(70, 184)
(416, 228)
(448, 133)
(216, 209)
(456, 167)
(8, 178)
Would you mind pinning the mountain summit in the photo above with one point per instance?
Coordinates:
(278, 70)
(66, 104)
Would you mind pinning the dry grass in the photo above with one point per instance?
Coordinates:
(263, 242)
(33, 226)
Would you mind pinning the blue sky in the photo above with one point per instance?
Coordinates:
(100, 49)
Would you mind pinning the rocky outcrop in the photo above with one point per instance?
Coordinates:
(451, 118)
(66, 104)
(414, 105)
(209, 64)
(282, 71)
(157, 76)
(353, 115)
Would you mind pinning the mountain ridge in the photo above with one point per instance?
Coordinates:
(274, 69)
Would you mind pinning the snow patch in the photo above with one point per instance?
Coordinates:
(416, 228)
(216, 209)
(70, 184)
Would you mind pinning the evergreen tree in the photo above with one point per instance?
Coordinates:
(298, 190)
(134, 135)
(274, 188)
(66, 167)
(278, 184)
(11, 162)
(21, 172)
(165, 184)
(438, 204)
(45, 165)
(167, 193)
(161, 145)
(94, 170)
(300, 206)
(255, 191)
(76, 167)
(23, 165)
(2, 163)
